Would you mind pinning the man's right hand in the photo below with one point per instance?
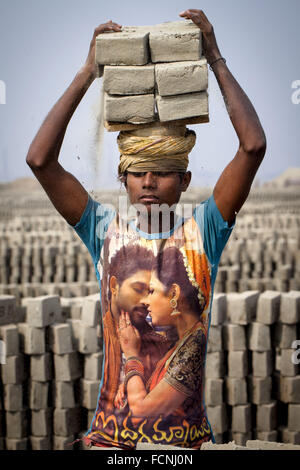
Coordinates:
(90, 61)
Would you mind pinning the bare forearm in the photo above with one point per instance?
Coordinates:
(240, 109)
(47, 143)
(241, 112)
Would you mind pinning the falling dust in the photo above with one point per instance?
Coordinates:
(95, 155)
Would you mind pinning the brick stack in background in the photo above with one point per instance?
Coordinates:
(252, 388)
(50, 382)
(154, 73)
(45, 257)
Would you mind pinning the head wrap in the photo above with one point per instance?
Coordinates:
(163, 149)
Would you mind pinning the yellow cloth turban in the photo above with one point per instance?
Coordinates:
(156, 152)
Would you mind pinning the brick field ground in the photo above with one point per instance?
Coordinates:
(50, 312)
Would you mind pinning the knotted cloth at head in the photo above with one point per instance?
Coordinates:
(154, 152)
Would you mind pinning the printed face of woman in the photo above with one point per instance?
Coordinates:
(158, 302)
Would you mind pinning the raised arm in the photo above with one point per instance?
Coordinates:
(66, 193)
(234, 184)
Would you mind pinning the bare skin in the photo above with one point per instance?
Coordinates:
(69, 197)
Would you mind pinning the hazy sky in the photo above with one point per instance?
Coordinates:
(44, 43)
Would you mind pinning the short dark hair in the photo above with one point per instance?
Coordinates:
(128, 260)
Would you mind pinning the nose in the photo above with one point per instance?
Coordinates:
(149, 180)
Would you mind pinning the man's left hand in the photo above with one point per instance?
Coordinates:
(130, 340)
(210, 46)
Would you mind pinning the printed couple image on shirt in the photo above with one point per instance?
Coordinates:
(165, 297)
(155, 293)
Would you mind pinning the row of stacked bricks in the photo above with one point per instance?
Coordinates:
(252, 388)
(269, 263)
(50, 373)
(37, 258)
(153, 73)
(41, 263)
(50, 381)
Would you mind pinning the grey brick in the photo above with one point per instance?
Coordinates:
(135, 109)
(9, 334)
(7, 309)
(290, 437)
(214, 391)
(266, 417)
(262, 364)
(129, 80)
(41, 422)
(236, 391)
(129, 47)
(41, 367)
(234, 337)
(13, 397)
(284, 335)
(63, 395)
(16, 424)
(175, 78)
(182, 106)
(60, 338)
(42, 311)
(215, 339)
(289, 389)
(67, 367)
(89, 390)
(242, 307)
(214, 365)
(293, 417)
(40, 443)
(13, 372)
(237, 364)
(259, 338)
(38, 395)
(175, 41)
(268, 307)
(218, 309)
(66, 421)
(217, 416)
(241, 418)
(32, 339)
(259, 389)
(93, 366)
(16, 444)
(287, 366)
(290, 307)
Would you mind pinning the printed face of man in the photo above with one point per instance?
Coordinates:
(129, 296)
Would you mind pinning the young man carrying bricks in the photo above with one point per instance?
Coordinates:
(169, 407)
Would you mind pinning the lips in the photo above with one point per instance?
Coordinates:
(140, 311)
(149, 197)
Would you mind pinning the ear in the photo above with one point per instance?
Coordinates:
(186, 181)
(174, 292)
(113, 285)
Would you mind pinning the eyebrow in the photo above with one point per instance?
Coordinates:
(139, 284)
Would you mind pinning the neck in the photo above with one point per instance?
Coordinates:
(186, 323)
(114, 311)
(157, 223)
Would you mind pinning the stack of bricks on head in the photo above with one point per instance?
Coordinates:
(154, 73)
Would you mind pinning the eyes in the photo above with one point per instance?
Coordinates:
(140, 291)
(155, 173)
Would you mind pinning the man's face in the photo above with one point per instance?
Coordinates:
(129, 296)
(160, 187)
